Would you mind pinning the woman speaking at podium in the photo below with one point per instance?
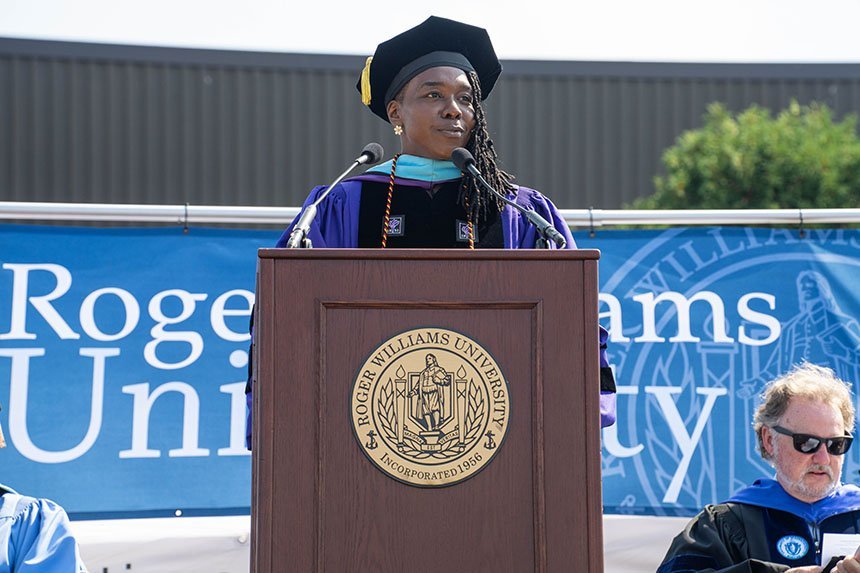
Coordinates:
(428, 83)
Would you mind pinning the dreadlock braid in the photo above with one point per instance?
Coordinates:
(472, 197)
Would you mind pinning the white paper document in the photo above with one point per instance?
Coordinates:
(838, 544)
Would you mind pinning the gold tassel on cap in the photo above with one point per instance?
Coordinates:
(365, 82)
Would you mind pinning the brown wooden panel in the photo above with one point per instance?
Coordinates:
(321, 505)
(457, 528)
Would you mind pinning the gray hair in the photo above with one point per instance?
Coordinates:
(803, 381)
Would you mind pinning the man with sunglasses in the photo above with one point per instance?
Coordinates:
(803, 426)
(35, 535)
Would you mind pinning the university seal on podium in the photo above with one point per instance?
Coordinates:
(430, 407)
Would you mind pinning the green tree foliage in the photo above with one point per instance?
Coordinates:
(800, 159)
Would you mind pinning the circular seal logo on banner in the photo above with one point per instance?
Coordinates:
(430, 407)
(792, 546)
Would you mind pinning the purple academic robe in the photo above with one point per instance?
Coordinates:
(336, 227)
(336, 223)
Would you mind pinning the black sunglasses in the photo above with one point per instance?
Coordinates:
(808, 444)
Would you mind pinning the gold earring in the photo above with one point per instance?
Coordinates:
(398, 130)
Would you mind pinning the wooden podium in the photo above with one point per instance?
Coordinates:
(320, 505)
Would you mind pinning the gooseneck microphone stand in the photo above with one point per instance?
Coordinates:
(546, 232)
(370, 155)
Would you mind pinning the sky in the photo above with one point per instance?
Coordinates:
(603, 30)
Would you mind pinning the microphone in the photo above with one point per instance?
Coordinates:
(465, 162)
(370, 155)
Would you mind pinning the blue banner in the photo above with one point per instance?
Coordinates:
(123, 357)
(700, 320)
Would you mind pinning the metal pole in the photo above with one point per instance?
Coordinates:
(202, 214)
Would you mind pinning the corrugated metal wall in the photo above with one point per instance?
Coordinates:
(127, 124)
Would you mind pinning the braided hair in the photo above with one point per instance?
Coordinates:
(472, 197)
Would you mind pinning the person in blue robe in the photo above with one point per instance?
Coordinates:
(35, 535)
(428, 83)
(803, 427)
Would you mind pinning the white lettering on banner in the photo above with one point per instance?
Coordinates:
(143, 402)
(88, 320)
(160, 335)
(686, 442)
(237, 447)
(22, 299)
(42, 304)
(19, 434)
(649, 323)
(649, 302)
(40, 288)
(219, 311)
(770, 322)
(694, 256)
(785, 236)
(724, 249)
